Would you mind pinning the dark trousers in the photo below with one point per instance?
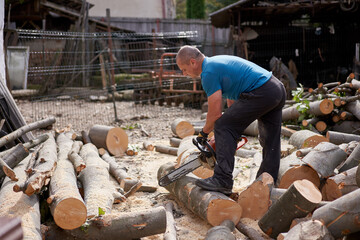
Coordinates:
(264, 104)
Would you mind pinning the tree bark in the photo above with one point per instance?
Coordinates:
(287, 132)
(5, 170)
(311, 229)
(248, 231)
(148, 146)
(301, 198)
(11, 228)
(14, 204)
(66, 204)
(75, 158)
(353, 160)
(85, 137)
(339, 185)
(341, 215)
(125, 226)
(175, 142)
(317, 108)
(170, 233)
(115, 170)
(306, 138)
(339, 138)
(213, 207)
(182, 128)
(113, 139)
(354, 108)
(166, 149)
(223, 231)
(15, 155)
(303, 152)
(351, 127)
(46, 164)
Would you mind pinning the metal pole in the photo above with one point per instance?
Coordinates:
(110, 47)
(357, 57)
(112, 89)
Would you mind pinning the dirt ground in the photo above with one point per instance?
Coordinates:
(156, 121)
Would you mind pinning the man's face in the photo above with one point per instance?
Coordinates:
(189, 69)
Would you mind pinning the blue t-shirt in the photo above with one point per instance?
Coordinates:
(233, 75)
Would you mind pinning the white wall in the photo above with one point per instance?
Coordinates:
(2, 56)
(133, 8)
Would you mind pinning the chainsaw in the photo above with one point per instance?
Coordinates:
(206, 157)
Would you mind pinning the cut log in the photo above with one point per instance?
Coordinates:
(325, 158)
(287, 132)
(44, 169)
(352, 161)
(184, 145)
(213, 207)
(317, 108)
(252, 129)
(166, 149)
(11, 228)
(99, 192)
(66, 204)
(14, 204)
(339, 138)
(182, 128)
(248, 231)
(5, 170)
(306, 139)
(113, 139)
(352, 127)
(341, 215)
(307, 122)
(175, 142)
(276, 193)
(303, 152)
(255, 165)
(223, 231)
(321, 126)
(115, 170)
(148, 146)
(75, 158)
(339, 185)
(244, 153)
(255, 199)
(311, 229)
(170, 233)
(301, 198)
(354, 108)
(125, 226)
(358, 177)
(15, 155)
(85, 137)
(293, 168)
(344, 115)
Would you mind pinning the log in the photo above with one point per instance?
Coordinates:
(354, 108)
(287, 132)
(10, 228)
(306, 139)
(113, 139)
(317, 108)
(339, 138)
(244, 153)
(301, 198)
(351, 127)
(25, 129)
(148, 146)
(321, 126)
(175, 142)
(255, 199)
(249, 231)
(182, 128)
(311, 229)
(357, 177)
(170, 233)
(44, 169)
(339, 185)
(341, 215)
(75, 158)
(15, 155)
(223, 231)
(99, 192)
(5, 170)
(66, 204)
(325, 158)
(352, 161)
(166, 149)
(252, 129)
(303, 152)
(344, 115)
(255, 165)
(213, 207)
(85, 137)
(276, 193)
(18, 204)
(292, 169)
(124, 226)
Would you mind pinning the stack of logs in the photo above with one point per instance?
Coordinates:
(72, 173)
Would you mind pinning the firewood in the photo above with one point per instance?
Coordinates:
(11, 228)
(339, 185)
(213, 207)
(287, 132)
(223, 231)
(170, 233)
(18, 204)
(175, 142)
(245, 153)
(354, 108)
(310, 229)
(25, 129)
(182, 128)
(345, 115)
(66, 204)
(85, 137)
(355, 84)
(5, 170)
(133, 189)
(248, 231)
(341, 215)
(44, 169)
(317, 108)
(325, 158)
(276, 193)
(148, 146)
(113, 139)
(351, 127)
(166, 149)
(353, 160)
(255, 199)
(132, 150)
(99, 192)
(301, 198)
(127, 226)
(339, 138)
(306, 138)
(292, 169)
(75, 158)
(252, 129)
(255, 165)
(303, 152)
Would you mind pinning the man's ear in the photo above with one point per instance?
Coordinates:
(192, 61)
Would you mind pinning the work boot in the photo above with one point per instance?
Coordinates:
(213, 184)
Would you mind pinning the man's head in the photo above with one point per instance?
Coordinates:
(189, 60)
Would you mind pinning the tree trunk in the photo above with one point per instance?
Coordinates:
(317, 108)
(306, 138)
(5, 170)
(244, 153)
(248, 231)
(223, 231)
(339, 185)
(325, 158)
(352, 127)
(175, 142)
(182, 128)
(255, 199)
(11, 228)
(303, 152)
(300, 199)
(14, 204)
(170, 233)
(66, 204)
(353, 160)
(252, 129)
(255, 165)
(311, 229)
(46, 164)
(341, 215)
(113, 139)
(213, 207)
(75, 158)
(354, 108)
(148, 146)
(85, 137)
(339, 138)
(293, 168)
(287, 132)
(125, 226)
(99, 191)
(166, 149)
(15, 155)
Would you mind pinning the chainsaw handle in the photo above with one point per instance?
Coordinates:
(242, 142)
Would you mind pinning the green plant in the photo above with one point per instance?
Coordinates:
(302, 105)
(101, 211)
(131, 126)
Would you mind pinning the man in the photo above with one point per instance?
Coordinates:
(252, 93)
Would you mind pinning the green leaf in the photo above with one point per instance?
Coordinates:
(101, 211)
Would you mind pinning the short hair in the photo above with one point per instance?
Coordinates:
(186, 53)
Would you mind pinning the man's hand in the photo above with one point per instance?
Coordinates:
(202, 137)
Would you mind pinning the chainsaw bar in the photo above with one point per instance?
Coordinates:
(188, 167)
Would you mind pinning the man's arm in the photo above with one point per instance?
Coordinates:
(229, 102)
(214, 111)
